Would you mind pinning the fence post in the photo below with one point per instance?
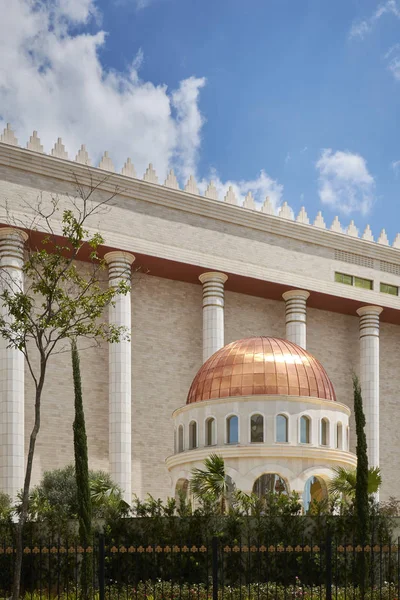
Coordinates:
(328, 556)
(101, 567)
(214, 547)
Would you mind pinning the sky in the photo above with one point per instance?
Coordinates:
(295, 99)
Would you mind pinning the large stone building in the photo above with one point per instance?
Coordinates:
(219, 278)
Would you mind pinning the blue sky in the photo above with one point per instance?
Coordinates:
(305, 91)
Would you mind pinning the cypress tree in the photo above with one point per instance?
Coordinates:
(82, 472)
(361, 497)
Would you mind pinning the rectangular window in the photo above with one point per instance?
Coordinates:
(386, 288)
(360, 282)
(343, 278)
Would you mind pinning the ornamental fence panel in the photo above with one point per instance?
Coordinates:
(214, 569)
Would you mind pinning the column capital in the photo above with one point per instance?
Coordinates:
(213, 276)
(9, 233)
(119, 256)
(295, 294)
(369, 310)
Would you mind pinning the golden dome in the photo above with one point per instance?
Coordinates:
(261, 365)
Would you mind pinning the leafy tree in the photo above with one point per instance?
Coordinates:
(5, 508)
(212, 484)
(58, 303)
(345, 480)
(55, 500)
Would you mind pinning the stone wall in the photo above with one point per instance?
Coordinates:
(166, 354)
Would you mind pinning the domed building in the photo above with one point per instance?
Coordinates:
(268, 407)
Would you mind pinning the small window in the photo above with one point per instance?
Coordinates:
(210, 432)
(366, 284)
(232, 430)
(192, 435)
(324, 432)
(360, 282)
(281, 428)
(386, 288)
(339, 436)
(304, 430)
(257, 428)
(180, 438)
(343, 278)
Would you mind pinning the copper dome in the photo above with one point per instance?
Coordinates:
(261, 365)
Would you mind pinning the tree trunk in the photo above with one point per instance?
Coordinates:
(27, 483)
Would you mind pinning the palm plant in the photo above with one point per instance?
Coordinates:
(212, 483)
(344, 482)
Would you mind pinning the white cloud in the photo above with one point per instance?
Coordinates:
(52, 80)
(396, 166)
(189, 122)
(345, 182)
(365, 26)
(260, 188)
(393, 58)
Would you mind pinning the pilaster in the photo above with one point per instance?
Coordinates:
(213, 312)
(369, 377)
(120, 400)
(296, 315)
(12, 458)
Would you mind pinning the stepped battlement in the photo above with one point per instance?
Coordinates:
(150, 176)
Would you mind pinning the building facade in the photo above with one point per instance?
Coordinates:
(206, 273)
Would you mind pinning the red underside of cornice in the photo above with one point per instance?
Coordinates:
(169, 269)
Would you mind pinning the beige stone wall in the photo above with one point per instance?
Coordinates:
(166, 354)
(167, 322)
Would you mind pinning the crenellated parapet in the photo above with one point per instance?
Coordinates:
(150, 176)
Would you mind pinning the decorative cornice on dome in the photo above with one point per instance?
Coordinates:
(261, 366)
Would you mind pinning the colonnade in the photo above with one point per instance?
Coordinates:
(120, 363)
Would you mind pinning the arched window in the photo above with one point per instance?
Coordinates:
(257, 428)
(269, 483)
(339, 436)
(211, 438)
(192, 435)
(232, 430)
(282, 428)
(324, 432)
(180, 438)
(315, 490)
(181, 489)
(304, 430)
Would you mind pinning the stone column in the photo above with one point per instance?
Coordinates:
(369, 377)
(213, 312)
(120, 400)
(296, 309)
(12, 364)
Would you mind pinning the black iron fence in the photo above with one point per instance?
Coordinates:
(215, 569)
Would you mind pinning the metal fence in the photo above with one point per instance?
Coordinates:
(320, 570)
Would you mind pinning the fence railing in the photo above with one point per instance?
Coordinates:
(215, 569)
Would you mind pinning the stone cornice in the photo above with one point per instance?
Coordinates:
(65, 170)
(327, 404)
(324, 456)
